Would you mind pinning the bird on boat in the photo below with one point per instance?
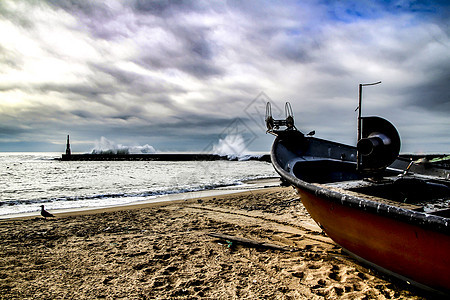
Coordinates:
(45, 213)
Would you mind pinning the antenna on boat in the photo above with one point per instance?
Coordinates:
(289, 116)
(359, 137)
(269, 118)
(273, 125)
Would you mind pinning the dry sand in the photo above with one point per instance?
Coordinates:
(162, 251)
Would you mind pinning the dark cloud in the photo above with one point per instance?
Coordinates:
(156, 32)
(161, 7)
(84, 114)
(100, 18)
(7, 131)
(86, 7)
(193, 55)
(90, 91)
(134, 83)
(296, 47)
(433, 95)
(124, 117)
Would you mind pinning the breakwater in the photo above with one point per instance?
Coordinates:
(156, 157)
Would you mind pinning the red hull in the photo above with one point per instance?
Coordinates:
(408, 250)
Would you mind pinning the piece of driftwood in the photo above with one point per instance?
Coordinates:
(247, 242)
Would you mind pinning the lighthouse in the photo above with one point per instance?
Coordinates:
(68, 152)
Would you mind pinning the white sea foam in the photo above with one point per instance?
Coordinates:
(105, 146)
(233, 146)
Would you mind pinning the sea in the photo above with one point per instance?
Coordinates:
(29, 180)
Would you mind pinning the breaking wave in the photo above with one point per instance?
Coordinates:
(105, 146)
(232, 146)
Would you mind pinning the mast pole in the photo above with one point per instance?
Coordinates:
(359, 113)
(359, 133)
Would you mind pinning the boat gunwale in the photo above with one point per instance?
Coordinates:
(429, 221)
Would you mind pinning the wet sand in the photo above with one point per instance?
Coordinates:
(162, 251)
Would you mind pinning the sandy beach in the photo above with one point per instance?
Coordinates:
(163, 251)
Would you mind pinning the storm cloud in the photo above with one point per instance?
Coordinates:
(175, 74)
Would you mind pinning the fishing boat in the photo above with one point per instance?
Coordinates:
(387, 210)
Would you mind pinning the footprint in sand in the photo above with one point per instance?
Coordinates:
(169, 270)
(335, 273)
(314, 266)
(300, 274)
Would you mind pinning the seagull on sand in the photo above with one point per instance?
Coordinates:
(45, 213)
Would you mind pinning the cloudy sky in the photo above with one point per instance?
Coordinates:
(180, 75)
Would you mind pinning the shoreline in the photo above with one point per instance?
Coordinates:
(248, 185)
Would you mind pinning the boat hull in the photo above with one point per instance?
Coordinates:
(414, 253)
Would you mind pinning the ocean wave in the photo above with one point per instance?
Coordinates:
(29, 183)
(147, 194)
(105, 146)
(233, 146)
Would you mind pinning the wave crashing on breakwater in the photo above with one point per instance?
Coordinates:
(105, 146)
(233, 146)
